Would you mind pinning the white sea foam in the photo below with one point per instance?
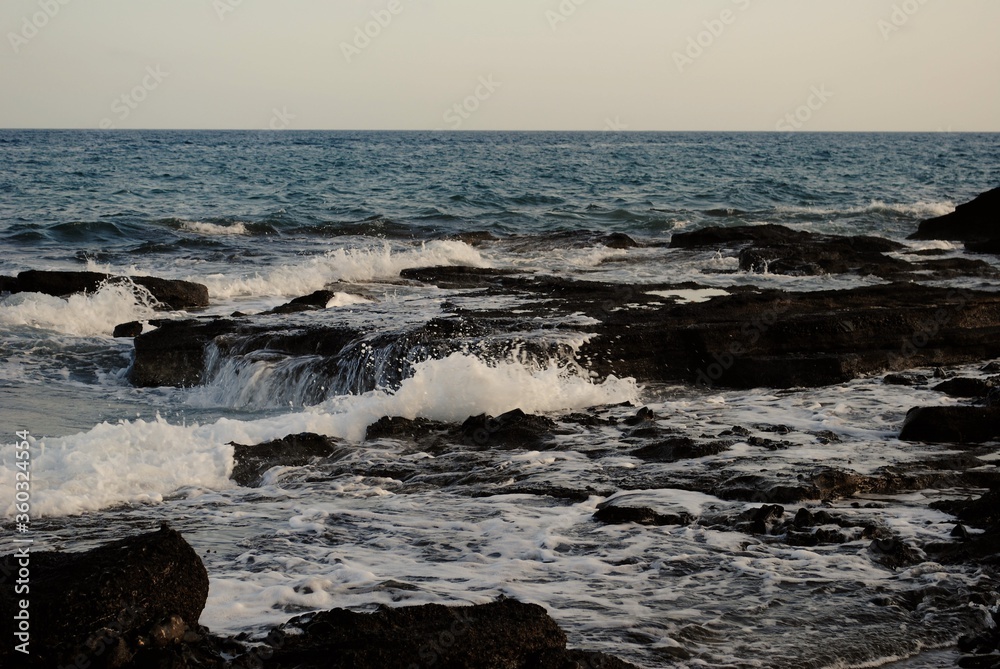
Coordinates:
(140, 461)
(82, 314)
(345, 300)
(914, 209)
(348, 264)
(211, 229)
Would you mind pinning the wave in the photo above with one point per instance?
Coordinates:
(94, 314)
(146, 461)
(351, 265)
(910, 210)
(200, 228)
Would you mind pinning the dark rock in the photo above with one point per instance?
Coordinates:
(474, 237)
(679, 448)
(754, 488)
(9, 284)
(991, 246)
(130, 329)
(612, 514)
(171, 294)
(457, 276)
(403, 428)
(643, 415)
(952, 424)
(764, 520)
(514, 429)
(297, 450)
(174, 353)
(311, 302)
(905, 379)
(108, 604)
(619, 240)
(502, 635)
(973, 221)
(959, 532)
(964, 387)
(893, 553)
(716, 236)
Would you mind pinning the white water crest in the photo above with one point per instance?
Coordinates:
(89, 314)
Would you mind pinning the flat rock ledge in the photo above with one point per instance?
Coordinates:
(170, 294)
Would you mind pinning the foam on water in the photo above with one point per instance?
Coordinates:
(140, 461)
(82, 314)
(358, 264)
(912, 209)
(213, 229)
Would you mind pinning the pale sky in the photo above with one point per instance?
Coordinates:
(811, 65)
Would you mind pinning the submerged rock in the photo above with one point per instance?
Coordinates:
(108, 604)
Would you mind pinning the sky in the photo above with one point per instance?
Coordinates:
(676, 65)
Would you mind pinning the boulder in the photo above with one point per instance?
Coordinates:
(130, 329)
(174, 353)
(9, 284)
(514, 429)
(171, 294)
(296, 450)
(505, 634)
(105, 605)
(952, 424)
(975, 221)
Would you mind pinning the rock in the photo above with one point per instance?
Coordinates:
(679, 448)
(455, 276)
(978, 220)
(904, 380)
(893, 553)
(963, 387)
(991, 246)
(505, 634)
(612, 514)
(474, 237)
(311, 302)
(296, 450)
(107, 604)
(171, 294)
(174, 353)
(9, 284)
(715, 236)
(403, 428)
(764, 520)
(952, 424)
(130, 329)
(619, 240)
(514, 429)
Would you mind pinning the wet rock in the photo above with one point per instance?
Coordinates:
(893, 553)
(679, 448)
(755, 488)
(764, 520)
(457, 276)
(501, 635)
(619, 240)
(514, 429)
(403, 428)
(963, 387)
(174, 353)
(715, 236)
(311, 302)
(171, 294)
(9, 284)
(614, 514)
(474, 237)
(904, 380)
(297, 450)
(978, 220)
(991, 246)
(108, 604)
(130, 329)
(952, 424)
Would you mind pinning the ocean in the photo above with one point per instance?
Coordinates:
(261, 218)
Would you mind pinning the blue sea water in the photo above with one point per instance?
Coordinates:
(262, 217)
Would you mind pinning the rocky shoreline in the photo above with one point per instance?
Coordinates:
(746, 338)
